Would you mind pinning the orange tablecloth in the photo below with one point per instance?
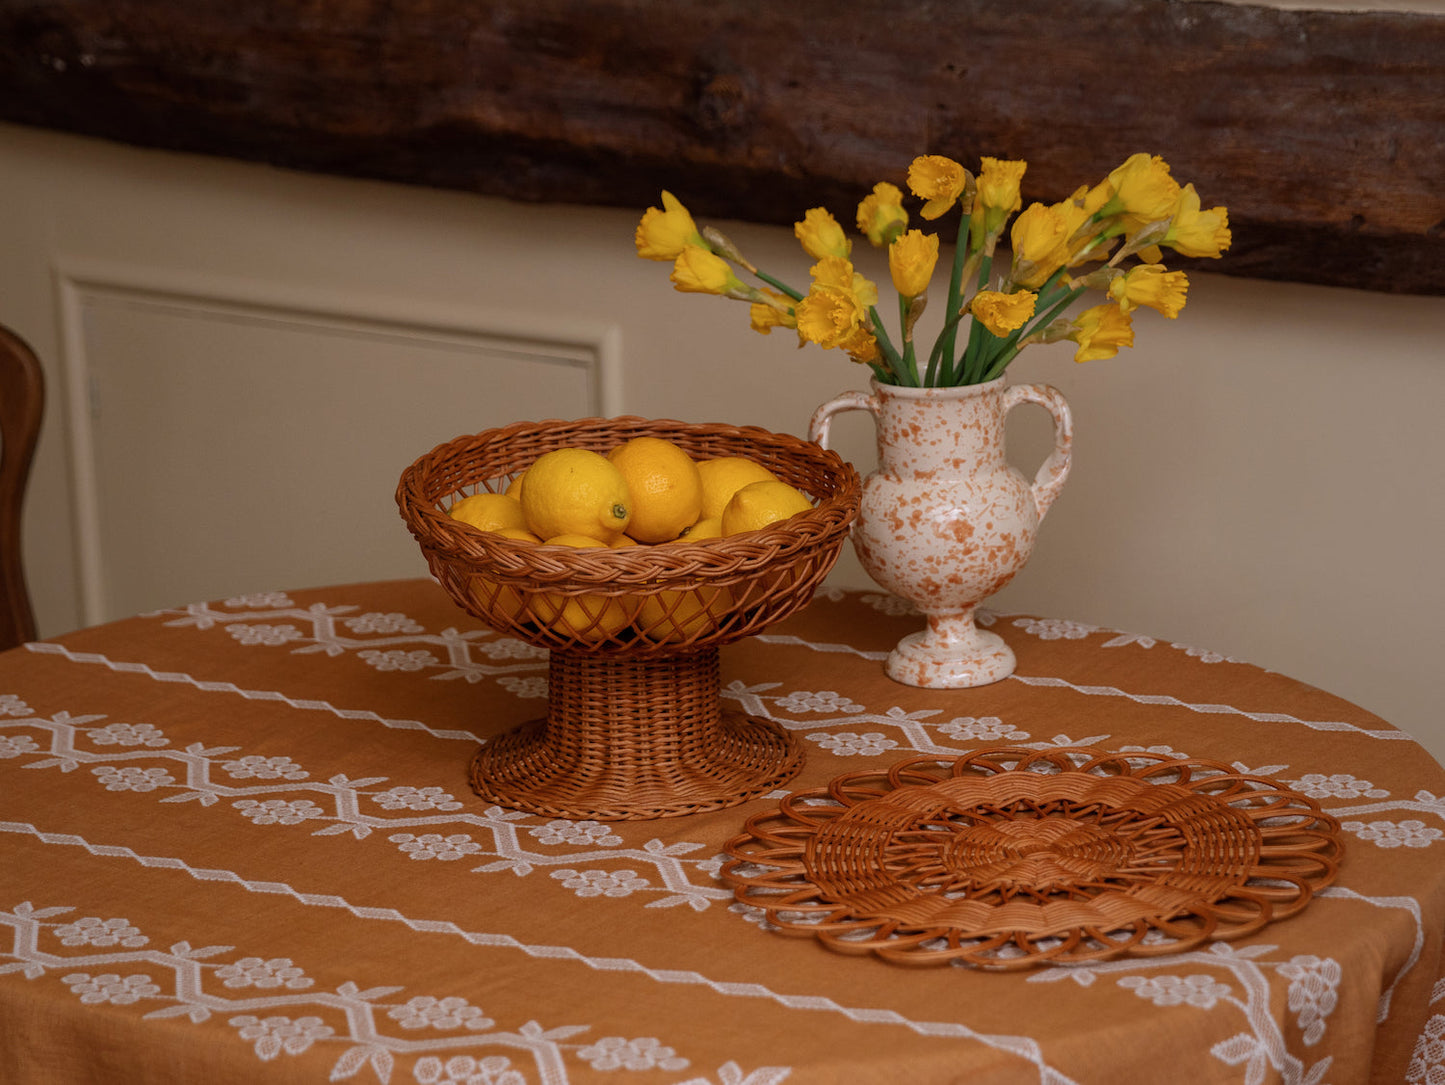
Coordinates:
(237, 845)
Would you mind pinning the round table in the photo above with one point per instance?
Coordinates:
(237, 844)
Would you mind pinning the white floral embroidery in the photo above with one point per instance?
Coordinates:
(439, 1013)
(524, 687)
(376, 622)
(1204, 655)
(891, 605)
(276, 1034)
(1122, 639)
(601, 883)
(398, 660)
(823, 701)
(644, 1053)
(1339, 786)
(279, 811)
(848, 744)
(131, 779)
(466, 1070)
(1055, 628)
(1427, 1062)
(417, 798)
(11, 705)
(129, 734)
(15, 745)
(753, 914)
(1389, 834)
(1313, 992)
(1162, 751)
(436, 846)
(562, 831)
(110, 988)
(254, 972)
(272, 636)
(712, 867)
(265, 768)
(981, 728)
(1197, 990)
(510, 648)
(94, 931)
(275, 599)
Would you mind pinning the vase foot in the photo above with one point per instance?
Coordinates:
(926, 660)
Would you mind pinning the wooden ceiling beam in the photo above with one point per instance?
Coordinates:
(1323, 132)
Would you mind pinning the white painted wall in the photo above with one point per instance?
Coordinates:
(269, 349)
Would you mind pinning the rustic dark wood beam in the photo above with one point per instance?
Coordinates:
(1323, 132)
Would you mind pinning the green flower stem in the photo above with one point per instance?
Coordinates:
(778, 285)
(910, 355)
(937, 353)
(973, 364)
(1009, 348)
(890, 352)
(949, 336)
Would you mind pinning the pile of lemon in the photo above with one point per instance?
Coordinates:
(646, 491)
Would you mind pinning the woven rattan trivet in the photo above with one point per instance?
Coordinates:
(1007, 858)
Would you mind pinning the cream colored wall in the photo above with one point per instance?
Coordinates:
(1258, 477)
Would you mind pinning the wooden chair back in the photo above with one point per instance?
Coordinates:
(22, 401)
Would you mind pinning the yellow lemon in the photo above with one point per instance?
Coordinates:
(703, 529)
(520, 534)
(664, 484)
(671, 616)
(500, 598)
(759, 504)
(723, 477)
(489, 512)
(625, 541)
(589, 618)
(574, 491)
(514, 488)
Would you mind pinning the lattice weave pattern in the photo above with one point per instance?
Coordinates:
(1006, 858)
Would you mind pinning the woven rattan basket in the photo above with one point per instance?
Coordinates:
(634, 727)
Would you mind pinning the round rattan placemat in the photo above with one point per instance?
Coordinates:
(1007, 858)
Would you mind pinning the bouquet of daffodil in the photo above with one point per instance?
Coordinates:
(1057, 253)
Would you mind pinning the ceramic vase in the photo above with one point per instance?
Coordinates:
(945, 521)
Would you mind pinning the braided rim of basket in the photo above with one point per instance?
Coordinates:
(769, 573)
(1009, 858)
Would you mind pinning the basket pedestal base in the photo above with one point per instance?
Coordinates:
(632, 739)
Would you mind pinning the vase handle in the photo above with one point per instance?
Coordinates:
(1053, 471)
(822, 419)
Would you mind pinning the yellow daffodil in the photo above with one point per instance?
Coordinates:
(1151, 285)
(663, 234)
(835, 312)
(1046, 237)
(1194, 232)
(700, 271)
(1100, 332)
(881, 216)
(911, 259)
(821, 235)
(1002, 313)
(1141, 190)
(997, 198)
(775, 312)
(938, 180)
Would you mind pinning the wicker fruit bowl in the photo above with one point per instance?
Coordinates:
(634, 727)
